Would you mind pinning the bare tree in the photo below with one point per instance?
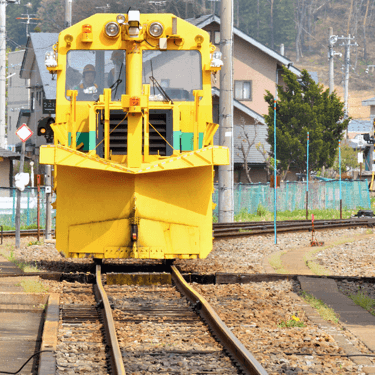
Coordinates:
(300, 18)
(364, 32)
(247, 142)
(270, 162)
(266, 157)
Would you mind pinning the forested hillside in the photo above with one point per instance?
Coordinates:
(302, 25)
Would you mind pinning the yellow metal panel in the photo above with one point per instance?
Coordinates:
(221, 156)
(175, 213)
(213, 155)
(117, 252)
(96, 236)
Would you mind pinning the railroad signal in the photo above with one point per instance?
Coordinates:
(24, 133)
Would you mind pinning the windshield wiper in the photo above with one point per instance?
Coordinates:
(156, 83)
(116, 84)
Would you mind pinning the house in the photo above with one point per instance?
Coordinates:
(370, 102)
(6, 167)
(254, 71)
(18, 96)
(356, 130)
(42, 87)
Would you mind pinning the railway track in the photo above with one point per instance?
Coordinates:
(250, 228)
(239, 229)
(146, 329)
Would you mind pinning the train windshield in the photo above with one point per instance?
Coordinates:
(89, 72)
(177, 72)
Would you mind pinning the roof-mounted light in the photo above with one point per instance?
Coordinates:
(156, 29)
(120, 19)
(50, 60)
(112, 29)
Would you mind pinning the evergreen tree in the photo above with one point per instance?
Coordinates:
(304, 106)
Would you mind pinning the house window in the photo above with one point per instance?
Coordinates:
(32, 102)
(242, 90)
(210, 35)
(217, 37)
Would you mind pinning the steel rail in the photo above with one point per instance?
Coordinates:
(109, 325)
(239, 230)
(241, 224)
(231, 343)
(24, 232)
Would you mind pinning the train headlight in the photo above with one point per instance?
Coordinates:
(199, 40)
(68, 39)
(156, 29)
(112, 29)
(120, 19)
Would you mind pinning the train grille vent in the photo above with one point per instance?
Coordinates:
(158, 134)
(160, 131)
(118, 129)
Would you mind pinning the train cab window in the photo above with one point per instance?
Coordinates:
(90, 72)
(177, 72)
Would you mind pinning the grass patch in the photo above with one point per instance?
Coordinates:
(33, 286)
(9, 254)
(294, 321)
(363, 300)
(31, 243)
(275, 261)
(324, 311)
(265, 215)
(309, 259)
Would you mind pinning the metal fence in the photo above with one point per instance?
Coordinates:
(291, 196)
(29, 207)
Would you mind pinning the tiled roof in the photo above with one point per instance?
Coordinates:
(255, 157)
(360, 126)
(370, 101)
(4, 153)
(37, 45)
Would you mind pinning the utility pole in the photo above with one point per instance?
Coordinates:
(68, 13)
(3, 5)
(331, 64)
(3, 51)
(28, 17)
(331, 54)
(226, 201)
(346, 43)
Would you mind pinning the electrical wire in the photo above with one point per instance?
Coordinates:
(14, 373)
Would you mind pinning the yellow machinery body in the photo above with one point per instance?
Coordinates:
(133, 153)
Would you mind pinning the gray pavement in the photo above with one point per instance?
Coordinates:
(354, 318)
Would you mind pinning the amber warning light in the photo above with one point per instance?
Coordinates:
(134, 232)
